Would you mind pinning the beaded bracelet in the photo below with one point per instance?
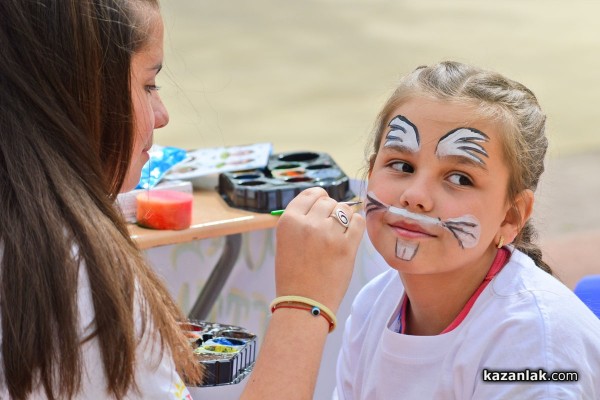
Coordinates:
(304, 303)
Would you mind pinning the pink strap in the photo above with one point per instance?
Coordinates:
(499, 262)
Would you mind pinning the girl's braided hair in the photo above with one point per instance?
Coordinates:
(493, 96)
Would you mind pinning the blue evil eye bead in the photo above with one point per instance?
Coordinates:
(315, 311)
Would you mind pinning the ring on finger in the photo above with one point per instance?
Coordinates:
(341, 217)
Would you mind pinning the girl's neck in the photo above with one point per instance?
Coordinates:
(435, 300)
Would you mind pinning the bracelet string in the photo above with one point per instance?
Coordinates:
(304, 303)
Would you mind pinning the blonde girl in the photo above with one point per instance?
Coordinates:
(468, 309)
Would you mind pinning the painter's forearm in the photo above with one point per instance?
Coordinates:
(288, 369)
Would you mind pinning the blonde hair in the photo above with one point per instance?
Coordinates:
(492, 96)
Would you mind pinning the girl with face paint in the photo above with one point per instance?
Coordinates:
(457, 154)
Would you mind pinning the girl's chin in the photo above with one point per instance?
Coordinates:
(135, 172)
(127, 187)
(142, 158)
(131, 181)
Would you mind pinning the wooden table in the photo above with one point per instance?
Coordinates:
(211, 217)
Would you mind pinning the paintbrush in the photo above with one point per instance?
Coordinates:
(349, 203)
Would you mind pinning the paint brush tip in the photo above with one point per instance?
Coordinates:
(349, 203)
(352, 203)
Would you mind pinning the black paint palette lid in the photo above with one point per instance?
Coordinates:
(285, 176)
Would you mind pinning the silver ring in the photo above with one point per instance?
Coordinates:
(341, 217)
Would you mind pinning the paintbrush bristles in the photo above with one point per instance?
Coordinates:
(349, 203)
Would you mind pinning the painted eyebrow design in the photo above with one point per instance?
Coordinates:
(403, 134)
(463, 142)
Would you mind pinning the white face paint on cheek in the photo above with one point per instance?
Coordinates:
(466, 230)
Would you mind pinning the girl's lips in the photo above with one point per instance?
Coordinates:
(410, 230)
(149, 143)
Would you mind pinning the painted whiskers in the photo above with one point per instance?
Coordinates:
(465, 229)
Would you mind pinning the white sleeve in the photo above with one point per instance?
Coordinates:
(349, 363)
(156, 375)
(158, 381)
(346, 359)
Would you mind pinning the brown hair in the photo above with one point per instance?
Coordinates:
(66, 139)
(492, 96)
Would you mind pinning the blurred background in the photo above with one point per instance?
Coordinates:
(312, 75)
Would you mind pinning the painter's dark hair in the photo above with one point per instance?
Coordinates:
(495, 96)
(66, 140)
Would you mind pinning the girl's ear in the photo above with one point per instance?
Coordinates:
(517, 215)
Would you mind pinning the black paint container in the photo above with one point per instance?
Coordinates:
(222, 368)
(286, 175)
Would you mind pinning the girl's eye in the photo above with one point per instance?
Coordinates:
(152, 88)
(460, 180)
(402, 167)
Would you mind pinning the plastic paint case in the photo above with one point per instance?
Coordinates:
(202, 166)
(284, 177)
(227, 352)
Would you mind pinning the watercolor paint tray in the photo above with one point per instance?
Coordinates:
(286, 174)
(227, 352)
(203, 166)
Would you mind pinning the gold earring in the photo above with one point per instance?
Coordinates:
(500, 242)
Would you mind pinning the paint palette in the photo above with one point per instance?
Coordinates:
(203, 166)
(227, 352)
(286, 175)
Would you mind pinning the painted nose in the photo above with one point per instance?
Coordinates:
(161, 115)
(417, 196)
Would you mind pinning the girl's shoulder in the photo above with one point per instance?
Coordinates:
(527, 318)
(520, 277)
(525, 294)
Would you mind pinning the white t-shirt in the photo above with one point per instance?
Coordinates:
(524, 319)
(156, 377)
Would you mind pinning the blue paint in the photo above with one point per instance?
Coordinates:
(228, 342)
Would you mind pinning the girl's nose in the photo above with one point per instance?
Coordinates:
(161, 115)
(417, 196)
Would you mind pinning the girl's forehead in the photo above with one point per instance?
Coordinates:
(439, 113)
(433, 119)
(151, 54)
(446, 128)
